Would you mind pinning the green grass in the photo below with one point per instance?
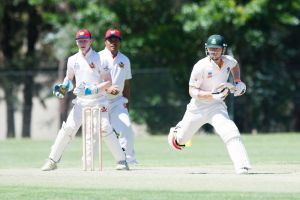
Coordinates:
(26, 193)
(207, 157)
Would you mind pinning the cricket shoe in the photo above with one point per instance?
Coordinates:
(172, 140)
(132, 162)
(122, 165)
(49, 165)
(243, 170)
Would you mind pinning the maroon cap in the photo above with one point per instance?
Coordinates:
(113, 33)
(83, 34)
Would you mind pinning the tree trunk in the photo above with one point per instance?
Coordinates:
(296, 114)
(27, 106)
(32, 36)
(7, 82)
(10, 112)
(63, 103)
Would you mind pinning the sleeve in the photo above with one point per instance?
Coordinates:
(231, 61)
(128, 74)
(196, 77)
(70, 68)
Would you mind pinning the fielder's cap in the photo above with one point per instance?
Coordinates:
(215, 41)
(113, 33)
(83, 34)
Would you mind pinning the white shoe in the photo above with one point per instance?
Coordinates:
(172, 140)
(132, 162)
(49, 165)
(243, 170)
(122, 165)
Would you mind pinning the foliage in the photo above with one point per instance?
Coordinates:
(263, 32)
(263, 36)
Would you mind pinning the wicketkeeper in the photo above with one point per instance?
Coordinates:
(208, 88)
(93, 80)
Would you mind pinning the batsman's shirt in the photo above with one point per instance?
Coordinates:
(87, 69)
(206, 75)
(119, 67)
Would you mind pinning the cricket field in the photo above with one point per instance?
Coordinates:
(202, 171)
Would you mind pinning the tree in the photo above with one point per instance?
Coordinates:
(168, 35)
(21, 27)
(10, 50)
(262, 42)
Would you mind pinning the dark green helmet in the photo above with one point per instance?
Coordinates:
(215, 41)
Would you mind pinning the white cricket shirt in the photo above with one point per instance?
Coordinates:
(206, 74)
(87, 69)
(119, 67)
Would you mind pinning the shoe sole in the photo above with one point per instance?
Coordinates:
(50, 169)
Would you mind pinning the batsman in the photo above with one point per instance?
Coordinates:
(93, 81)
(208, 88)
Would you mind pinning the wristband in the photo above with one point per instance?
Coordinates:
(237, 80)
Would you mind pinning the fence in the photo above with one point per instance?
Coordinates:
(156, 101)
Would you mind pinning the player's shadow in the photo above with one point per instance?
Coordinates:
(199, 173)
(267, 173)
(250, 173)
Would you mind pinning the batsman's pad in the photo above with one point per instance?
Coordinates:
(65, 135)
(238, 154)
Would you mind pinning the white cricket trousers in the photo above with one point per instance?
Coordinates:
(120, 121)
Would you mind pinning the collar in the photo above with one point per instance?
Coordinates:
(214, 63)
(108, 52)
(87, 54)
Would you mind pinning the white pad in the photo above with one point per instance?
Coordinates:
(64, 136)
(238, 154)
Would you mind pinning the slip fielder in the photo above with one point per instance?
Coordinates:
(208, 88)
(93, 80)
(119, 66)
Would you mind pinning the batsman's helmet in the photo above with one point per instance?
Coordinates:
(215, 41)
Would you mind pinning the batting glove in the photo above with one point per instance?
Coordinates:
(60, 90)
(240, 88)
(221, 92)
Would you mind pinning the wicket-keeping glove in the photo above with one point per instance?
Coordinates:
(240, 88)
(84, 89)
(60, 90)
